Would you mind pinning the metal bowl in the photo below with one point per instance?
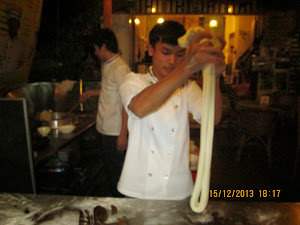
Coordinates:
(59, 119)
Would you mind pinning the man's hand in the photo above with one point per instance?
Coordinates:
(122, 143)
(201, 52)
(86, 95)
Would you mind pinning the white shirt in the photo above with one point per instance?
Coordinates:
(109, 115)
(157, 158)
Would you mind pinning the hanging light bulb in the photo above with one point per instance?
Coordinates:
(160, 20)
(137, 21)
(230, 9)
(153, 10)
(213, 23)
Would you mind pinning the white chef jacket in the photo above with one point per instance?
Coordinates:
(157, 158)
(109, 115)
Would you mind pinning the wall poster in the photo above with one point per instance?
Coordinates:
(19, 26)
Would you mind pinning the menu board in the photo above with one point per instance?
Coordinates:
(16, 157)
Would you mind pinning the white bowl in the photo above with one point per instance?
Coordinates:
(65, 129)
(44, 131)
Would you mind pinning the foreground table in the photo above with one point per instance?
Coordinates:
(31, 209)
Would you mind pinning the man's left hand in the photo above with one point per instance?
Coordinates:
(122, 143)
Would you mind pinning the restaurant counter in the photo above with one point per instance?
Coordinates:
(27, 209)
(59, 140)
(287, 109)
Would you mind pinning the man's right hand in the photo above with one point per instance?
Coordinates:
(200, 53)
(86, 95)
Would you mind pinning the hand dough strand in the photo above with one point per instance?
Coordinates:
(200, 194)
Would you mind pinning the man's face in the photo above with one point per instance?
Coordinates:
(165, 58)
(99, 52)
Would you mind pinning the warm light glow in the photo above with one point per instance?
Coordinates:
(153, 10)
(130, 21)
(230, 9)
(137, 21)
(160, 20)
(213, 23)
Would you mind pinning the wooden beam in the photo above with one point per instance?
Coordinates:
(107, 13)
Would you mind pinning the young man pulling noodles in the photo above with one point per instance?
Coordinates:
(158, 103)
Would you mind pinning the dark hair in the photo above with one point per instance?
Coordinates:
(166, 32)
(106, 36)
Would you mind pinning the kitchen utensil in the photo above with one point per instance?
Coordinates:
(65, 129)
(59, 119)
(80, 93)
(44, 130)
(72, 109)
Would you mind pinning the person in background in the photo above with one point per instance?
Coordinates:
(111, 121)
(158, 105)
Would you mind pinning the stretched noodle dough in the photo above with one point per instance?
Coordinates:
(200, 194)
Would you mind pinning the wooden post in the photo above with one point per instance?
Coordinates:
(107, 13)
